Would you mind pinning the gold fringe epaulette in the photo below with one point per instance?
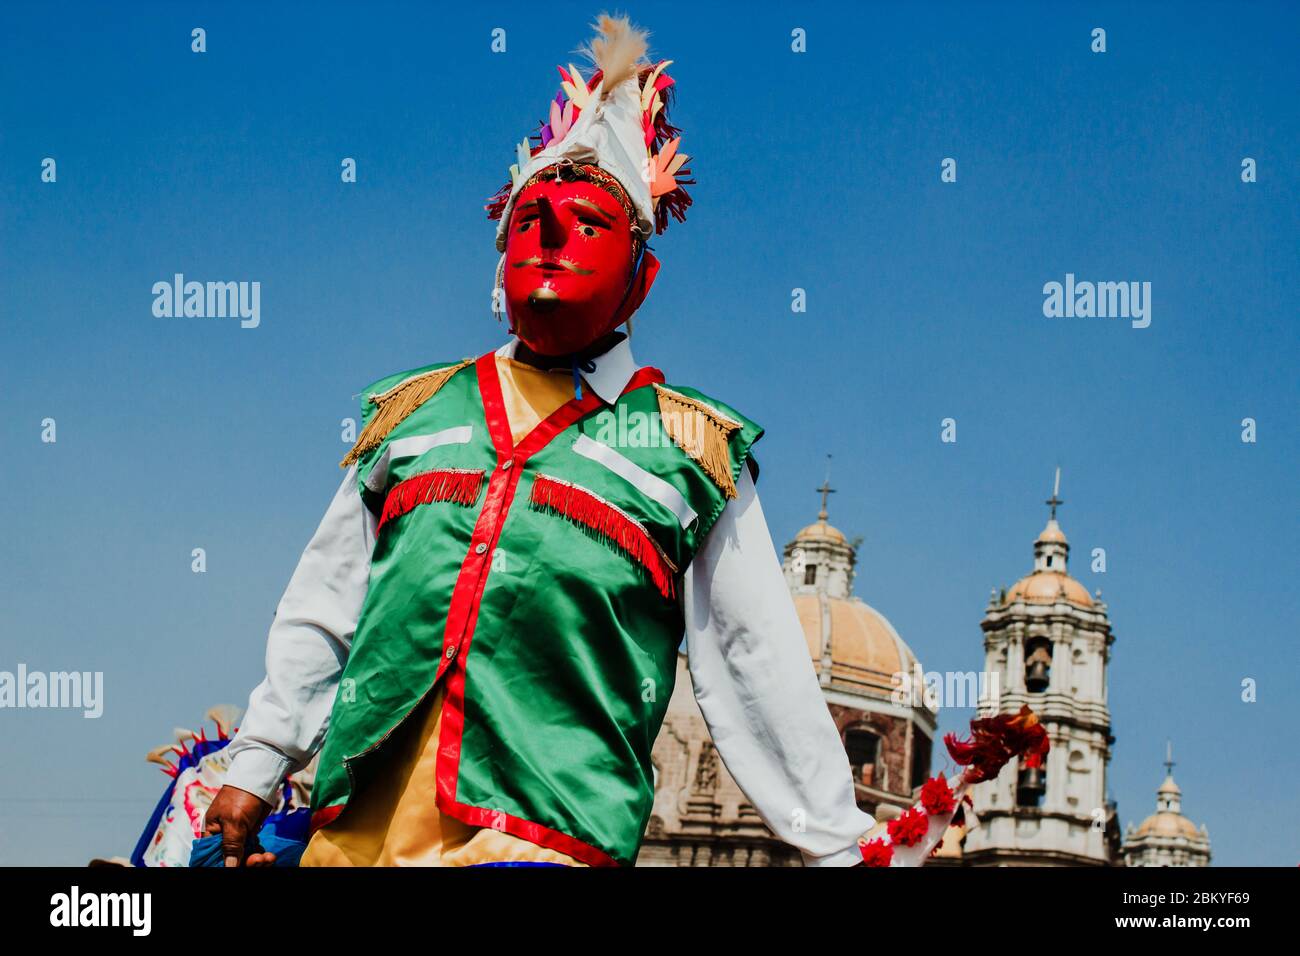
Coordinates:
(701, 431)
(393, 405)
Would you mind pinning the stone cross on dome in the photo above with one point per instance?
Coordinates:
(826, 490)
(1056, 491)
(1051, 550)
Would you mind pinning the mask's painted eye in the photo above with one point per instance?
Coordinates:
(588, 231)
(523, 226)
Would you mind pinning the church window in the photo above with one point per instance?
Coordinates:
(920, 759)
(863, 747)
(810, 574)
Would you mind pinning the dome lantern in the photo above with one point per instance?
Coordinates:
(1051, 549)
(820, 557)
(1050, 580)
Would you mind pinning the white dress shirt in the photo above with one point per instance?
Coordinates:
(748, 660)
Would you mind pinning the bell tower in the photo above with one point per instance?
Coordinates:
(1047, 644)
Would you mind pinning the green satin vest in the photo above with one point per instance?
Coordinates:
(541, 585)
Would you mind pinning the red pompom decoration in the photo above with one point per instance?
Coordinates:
(937, 797)
(910, 828)
(876, 853)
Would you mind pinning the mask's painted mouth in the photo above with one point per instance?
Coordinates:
(552, 265)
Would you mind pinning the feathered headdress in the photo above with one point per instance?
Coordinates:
(617, 119)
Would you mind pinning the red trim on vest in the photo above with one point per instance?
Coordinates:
(615, 526)
(462, 615)
(532, 832)
(646, 375)
(460, 485)
(494, 406)
(325, 816)
(463, 612)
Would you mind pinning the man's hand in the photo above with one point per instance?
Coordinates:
(237, 815)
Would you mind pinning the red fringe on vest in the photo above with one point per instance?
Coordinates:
(459, 485)
(611, 523)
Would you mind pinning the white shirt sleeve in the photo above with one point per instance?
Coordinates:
(755, 684)
(306, 649)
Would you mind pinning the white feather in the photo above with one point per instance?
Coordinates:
(618, 49)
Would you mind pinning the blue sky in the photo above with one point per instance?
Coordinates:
(818, 171)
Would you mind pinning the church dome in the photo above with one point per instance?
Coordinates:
(1048, 587)
(1168, 825)
(854, 648)
(1168, 820)
(820, 531)
(857, 642)
(1167, 838)
(1050, 580)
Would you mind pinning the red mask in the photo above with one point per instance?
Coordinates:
(568, 268)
